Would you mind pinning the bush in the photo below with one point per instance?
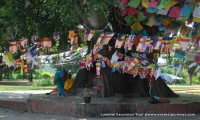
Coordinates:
(37, 74)
(43, 83)
(168, 70)
(181, 82)
(46, 75)
(196, 79)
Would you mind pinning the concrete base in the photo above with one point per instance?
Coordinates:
(18, 105)
(75, 107)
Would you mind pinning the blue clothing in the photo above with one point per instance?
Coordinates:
(60, 82)
(59, 75)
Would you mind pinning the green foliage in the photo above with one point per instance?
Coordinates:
(196, 79)
(184, 74)
(37, 74)
(46, 75)
(43, 83)
(168, 70)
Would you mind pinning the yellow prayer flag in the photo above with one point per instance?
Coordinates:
(149, 22)
(137, 27)
(170, 4)
(145, 3)
(22, 67)
(196, 19)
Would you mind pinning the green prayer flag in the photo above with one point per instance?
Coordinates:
(130, 20)
(134, 3)
(141, 17)
(162, 4)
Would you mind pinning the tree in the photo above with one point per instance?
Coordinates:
(25, 18)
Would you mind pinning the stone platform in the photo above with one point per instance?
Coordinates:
(74, 106)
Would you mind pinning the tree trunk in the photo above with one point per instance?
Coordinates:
(190, 79)
(30, 73)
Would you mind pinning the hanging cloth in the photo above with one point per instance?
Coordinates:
(137, 27)
(162, 4)
(163, 11)
(175, 12)
(141, 17)
(23, 42)
(184, 43)
(154, 3)
(145, 3)
(186, 11)
(130, 20)
(120, 40)
(197, 58)
(107, 37)
(99, 39)
(134, 3)
(71, 34)
(98, 67)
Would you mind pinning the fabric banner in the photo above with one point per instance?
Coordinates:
(163, 11)
(152, 10)
(145, 3)
(179, 54)
(120, 41)
(140, 45)
(190, 56)
(115, 57)
(154, 3)
(137, 27)
(13, 45)
(46, 42)
(184, 43)
(170, 4)
(186, 11)
(33, 38)
(130, 20)
(56, 36)
(197, 58)
(89, 34)
(107, 38)
(196, 12)
(23, 42)
(163, 3)
(159, 42)
(73, 40)
(141, 17)
(175, 12)
(71, 34)
(134, 3)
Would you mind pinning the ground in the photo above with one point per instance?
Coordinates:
(8, 114)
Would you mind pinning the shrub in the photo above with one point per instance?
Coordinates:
(46, 75)
(196, 79)
(37, 74)
(168, 70)
(43, 83)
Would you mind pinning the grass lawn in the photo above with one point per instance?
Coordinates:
(20, 85)
(184, 87)
(25, 85)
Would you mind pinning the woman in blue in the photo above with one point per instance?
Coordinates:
(59, 81)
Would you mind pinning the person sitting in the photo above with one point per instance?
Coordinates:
(59, 80)
(69, 83)
(65, 74)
